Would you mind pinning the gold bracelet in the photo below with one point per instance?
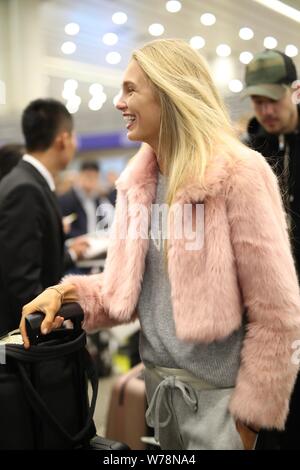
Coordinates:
(57, 290)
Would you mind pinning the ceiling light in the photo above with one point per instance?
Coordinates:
(110, 39)
(156, 29)
(291, 50)
(71, 83)
(246, 34)
(68, 47)
(246, 57)
(95, 105)
(223, 70)
(73, 104)
(223, 50)
(70, 87)
(197, 42)
(76, 100)
(282, 8)
(68, 93)
(270, 42)
(117, 98)
(96, 89)
(173, 6)
(72, 29)
(235, 86)
(98, 96)
(103, 97)
(208, 19)
(72, 108)
(119, 17)
(113, 58)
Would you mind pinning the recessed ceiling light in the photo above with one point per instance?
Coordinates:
(235, 86)
(282, 8)
(291, 50)
(119, 17)
(72, 108)
(95, 105)
(113, 58)
(68, 47)
(72, 29)
(197, 42)
(156, 29)
(70, 87)
(173, 6)
(103, 97)
(67, 93)
(246, 34)
(270, 42)
(73, 104)
(246, 57)
(96, 89)
(117, 98)
(71, 84)
(110, 39)
(223, 50)
(208, 19)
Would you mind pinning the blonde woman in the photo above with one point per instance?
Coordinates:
(215, 288)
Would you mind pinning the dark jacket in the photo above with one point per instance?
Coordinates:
(31, 241)
(275, 148)
(70, 203)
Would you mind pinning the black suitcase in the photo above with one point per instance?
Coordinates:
(44, 390)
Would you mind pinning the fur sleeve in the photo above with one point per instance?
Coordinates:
(90, 299)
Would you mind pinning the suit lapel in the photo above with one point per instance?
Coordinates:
(51, 196)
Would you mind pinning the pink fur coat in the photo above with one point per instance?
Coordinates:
(245, 262)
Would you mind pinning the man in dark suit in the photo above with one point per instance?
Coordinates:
(31, 236)
(85, 202)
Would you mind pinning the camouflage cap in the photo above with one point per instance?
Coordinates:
(268, 74)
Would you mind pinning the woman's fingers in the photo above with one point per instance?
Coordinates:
(58, 322)
(24, 334)
(48, 322)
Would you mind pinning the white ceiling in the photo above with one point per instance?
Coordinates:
(88, 63)
(94, 18)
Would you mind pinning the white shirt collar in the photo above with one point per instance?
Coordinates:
(41, 169)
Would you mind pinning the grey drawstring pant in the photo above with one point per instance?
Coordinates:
(187, 413)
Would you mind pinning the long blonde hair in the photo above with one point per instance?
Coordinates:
(194, 120)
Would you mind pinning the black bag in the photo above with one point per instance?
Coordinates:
(43, 391)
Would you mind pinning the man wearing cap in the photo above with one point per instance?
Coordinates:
(275, 133)
(275, 129)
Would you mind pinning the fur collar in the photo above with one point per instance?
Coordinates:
(142, 171)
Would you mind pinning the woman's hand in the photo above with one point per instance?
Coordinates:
(48, 303)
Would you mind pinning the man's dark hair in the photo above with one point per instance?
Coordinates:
(94, 166)
(42, 120)
(10, 155)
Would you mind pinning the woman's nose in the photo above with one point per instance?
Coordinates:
(121, 105)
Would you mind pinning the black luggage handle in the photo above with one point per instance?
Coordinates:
(71, 311)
